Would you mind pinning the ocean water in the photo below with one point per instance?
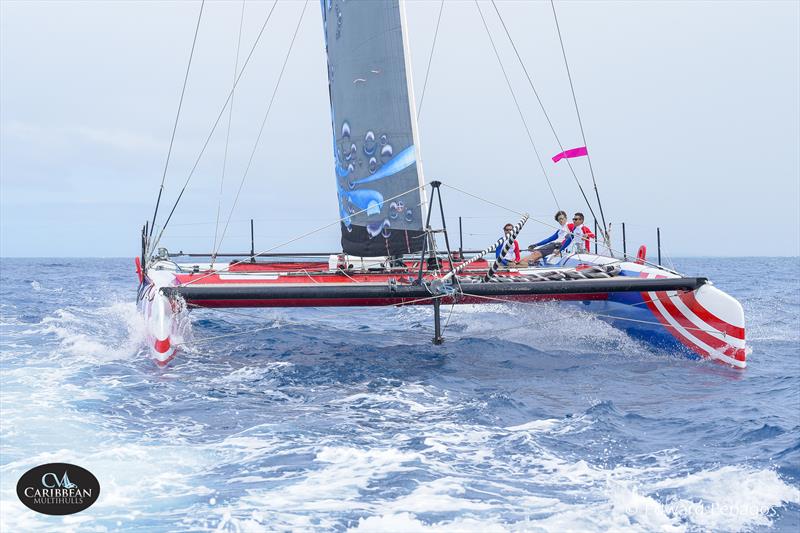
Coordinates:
(531, 417)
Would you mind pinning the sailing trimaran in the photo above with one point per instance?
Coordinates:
(390, 255)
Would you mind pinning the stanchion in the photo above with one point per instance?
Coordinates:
(252, 243)
(658, 236)
(624, 244)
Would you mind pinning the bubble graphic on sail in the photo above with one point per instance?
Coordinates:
(375, 145)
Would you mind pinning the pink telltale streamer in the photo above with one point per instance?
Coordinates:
(569, 154)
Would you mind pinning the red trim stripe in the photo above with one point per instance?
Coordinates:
(162, 346)
(695, 331)
(705, 315)
(675, 333)
(139, 271)
(739, 354)
(661, 318)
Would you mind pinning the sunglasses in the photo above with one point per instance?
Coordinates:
(577, 218)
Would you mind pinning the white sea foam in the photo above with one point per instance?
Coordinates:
(36, 286)
(620, 498)
(94, 335)
(624, 498)
(251, 373)
(543, 325)
(543, 426)
(405, 522)
(706, 499)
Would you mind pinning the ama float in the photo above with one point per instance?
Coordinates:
(390, 253)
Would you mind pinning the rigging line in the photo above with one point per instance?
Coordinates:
(501, 300)
(263, 123)
(520, 213)
(430, 59)
(580, 122)
(541, 105)
(516, 103)
(177, 116)
(492, 331)
(272, 326)
(214, 127)
(592, 314)
(216, 337)
(548, 224)
(347, 275)
(303, 236)
(228, 134)
(309, 276)
(447, 322)
(225, 311)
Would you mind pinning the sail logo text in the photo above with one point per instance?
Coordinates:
(50, 489)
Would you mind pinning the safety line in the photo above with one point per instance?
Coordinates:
(227, 137)
(263, 123)
(177, 116)
(262, 328)
(295, 239)
(213, 129)
(710, 331)
(552, 226)
(516, 103)
(541, 105)
(430, 58)
(520, 213)
(580, 123)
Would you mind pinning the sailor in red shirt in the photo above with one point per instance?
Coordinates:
(580, 234)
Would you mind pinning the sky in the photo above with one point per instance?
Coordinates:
(691, 112)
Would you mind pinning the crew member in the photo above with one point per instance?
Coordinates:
(553, 243)
(579, 235)
(511, 257)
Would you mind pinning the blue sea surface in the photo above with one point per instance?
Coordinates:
(531, 417)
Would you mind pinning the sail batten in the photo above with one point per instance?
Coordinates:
(377, 164)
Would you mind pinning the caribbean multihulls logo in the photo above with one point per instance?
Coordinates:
(58, 489)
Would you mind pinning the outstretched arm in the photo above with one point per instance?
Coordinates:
(551, 238)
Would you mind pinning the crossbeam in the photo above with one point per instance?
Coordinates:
(198, 293)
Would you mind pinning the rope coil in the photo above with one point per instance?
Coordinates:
(594, 272)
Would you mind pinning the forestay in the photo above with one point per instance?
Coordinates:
(375, 144)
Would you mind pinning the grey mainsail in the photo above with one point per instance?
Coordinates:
(377, 165)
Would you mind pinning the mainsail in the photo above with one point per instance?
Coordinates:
(377, 166)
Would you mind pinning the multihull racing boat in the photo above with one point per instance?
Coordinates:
(390, 254)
